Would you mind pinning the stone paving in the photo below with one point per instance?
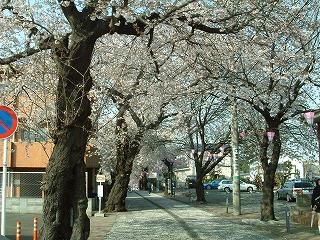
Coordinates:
(155, 217)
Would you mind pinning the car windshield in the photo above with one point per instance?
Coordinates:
(303, 185)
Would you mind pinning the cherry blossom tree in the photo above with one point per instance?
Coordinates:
(207, 135)
(270, 68)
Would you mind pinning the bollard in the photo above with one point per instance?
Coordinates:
(227, 204)
(35, 229)
(288, 219)
(18, 235)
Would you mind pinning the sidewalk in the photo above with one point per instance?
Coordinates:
(100, 226)
(277, 229)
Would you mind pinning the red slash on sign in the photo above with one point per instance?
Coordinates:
(3, 125)
(8, 122)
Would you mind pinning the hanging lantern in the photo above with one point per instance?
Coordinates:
(309, 116)
(215, 156)
(243, 134)
(192, 152)
(222, 149)
(270, 136)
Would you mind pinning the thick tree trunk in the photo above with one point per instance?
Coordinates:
(267, 201)
(117, 197)
(65, 202)
(118, 194)
(269, 166)
(127, 149)
(200, 191)
(199, 183)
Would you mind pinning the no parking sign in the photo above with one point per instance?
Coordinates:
(8, 122)
(8, 125)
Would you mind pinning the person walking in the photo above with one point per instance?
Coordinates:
(149, 186)
(315, 201)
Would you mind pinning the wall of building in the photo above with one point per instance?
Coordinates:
(35, 205)
(36, 155)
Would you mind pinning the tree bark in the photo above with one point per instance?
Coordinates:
(127, 149)
(200, 191)
(267, 201)
(269, 166)
(65, 201)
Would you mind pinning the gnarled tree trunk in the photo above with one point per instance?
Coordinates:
(65, 201)
(127, 149)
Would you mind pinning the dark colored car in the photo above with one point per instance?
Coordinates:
(191, 181)
(290, 190)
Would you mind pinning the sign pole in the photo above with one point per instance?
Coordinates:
(4, 190)
(100, 179)
(99, 187)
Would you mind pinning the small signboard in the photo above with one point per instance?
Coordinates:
(100, 191)
(8, 122)
(101, 178)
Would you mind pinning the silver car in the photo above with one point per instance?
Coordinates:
(227, 185)
(290, 190)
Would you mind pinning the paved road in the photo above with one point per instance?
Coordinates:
(26, 225)
(155, 217)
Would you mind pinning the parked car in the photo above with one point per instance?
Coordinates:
(227, 185)
(290, 190)
(211, 185)
(191, 182)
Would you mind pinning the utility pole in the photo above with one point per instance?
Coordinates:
(235, 161)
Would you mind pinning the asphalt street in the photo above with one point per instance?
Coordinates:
(26, 225)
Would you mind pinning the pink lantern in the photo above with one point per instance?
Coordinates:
(243, 134)
(309, 116)
(192, 153)
(215, 155)
(270, 136)
(222, 148)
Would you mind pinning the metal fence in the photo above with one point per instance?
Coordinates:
(23, 184)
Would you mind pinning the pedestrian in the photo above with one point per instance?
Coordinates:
(315, 201)
(149, 186)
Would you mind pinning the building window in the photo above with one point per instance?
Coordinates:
(41, 135)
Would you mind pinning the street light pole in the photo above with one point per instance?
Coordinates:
(235, 162)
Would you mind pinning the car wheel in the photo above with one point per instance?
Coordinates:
(250, 189)
(288, 198)
(208, 187)
(227, 190)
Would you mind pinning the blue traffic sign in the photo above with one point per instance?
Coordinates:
(8, 122)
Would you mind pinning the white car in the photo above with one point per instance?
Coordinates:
(226, 185)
